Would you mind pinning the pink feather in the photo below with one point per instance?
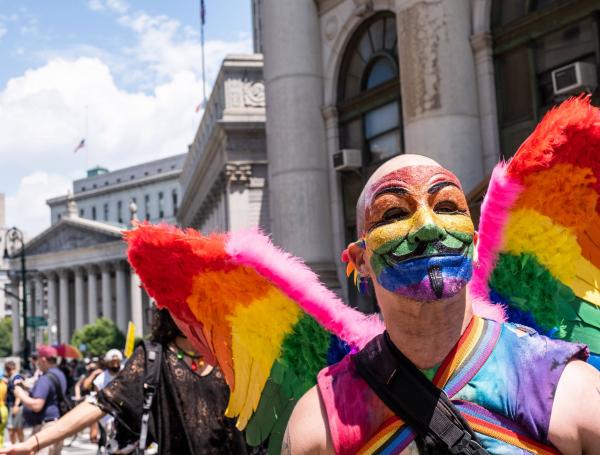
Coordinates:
(301, 284)
(501, 195)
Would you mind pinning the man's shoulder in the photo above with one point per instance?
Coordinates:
(308, 428)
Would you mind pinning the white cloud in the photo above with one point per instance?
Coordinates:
(42, 112)
(166, 47)
(27, 208)
(2, 30)
(42, 119)
(117, 6)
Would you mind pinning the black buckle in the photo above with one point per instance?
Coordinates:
(149, 391)
(466, 445)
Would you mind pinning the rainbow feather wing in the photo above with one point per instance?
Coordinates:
(539, 236)
(265, 317)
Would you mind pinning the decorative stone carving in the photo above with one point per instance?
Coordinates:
(69, 237)
(362, 7)
(238, 172)
(331, 28)
(71, 206)
(133, 209)
(254, 94)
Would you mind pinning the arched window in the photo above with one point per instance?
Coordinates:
(370, 113)
(369, 92)
(531, 39)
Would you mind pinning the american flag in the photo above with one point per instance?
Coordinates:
(80, 146)
(202, 12)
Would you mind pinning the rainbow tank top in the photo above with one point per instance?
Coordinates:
(502, 377)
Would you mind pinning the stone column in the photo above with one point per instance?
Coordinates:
(13, 287)
(38, 304)
(79, 299)
(137, 309)
(298, 163)
(92, 294)
(52, 308)
(486, 89)
(121, 285)
(438, 83)
(63, 299)
(106, 292)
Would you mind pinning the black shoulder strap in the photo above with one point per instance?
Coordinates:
(413, 398)
(57, 387)
(151, 381)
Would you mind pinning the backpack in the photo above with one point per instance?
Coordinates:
(65, 404)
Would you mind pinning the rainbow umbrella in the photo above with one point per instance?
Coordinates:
(67, 351)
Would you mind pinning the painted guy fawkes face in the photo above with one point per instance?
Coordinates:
(418, 233)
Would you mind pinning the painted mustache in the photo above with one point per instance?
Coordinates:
(425, 249)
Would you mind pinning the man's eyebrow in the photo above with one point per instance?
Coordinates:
(391, 190)
(438, 186)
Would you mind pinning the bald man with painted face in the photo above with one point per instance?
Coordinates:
(416, 245)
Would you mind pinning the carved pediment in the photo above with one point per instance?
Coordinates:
(66, 236)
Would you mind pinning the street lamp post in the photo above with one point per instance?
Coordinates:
(15, 235)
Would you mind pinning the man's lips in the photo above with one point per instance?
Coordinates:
(420, 251)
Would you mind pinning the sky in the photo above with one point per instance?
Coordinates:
(123, 74)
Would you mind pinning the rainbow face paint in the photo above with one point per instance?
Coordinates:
(418, 233)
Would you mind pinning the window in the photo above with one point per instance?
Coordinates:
(147, 207)
(528, 45)
(119, 180)
(174, 200)
(132, 177)
(94, 186)
(106, 183)
(120, 211)
(146, 174)
(159, 170)
(370, 116)
(369, 93)
(83, 188)
(161, 210)
(82, 213)
(93, 213)
(105, 212)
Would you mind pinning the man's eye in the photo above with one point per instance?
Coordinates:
(396, 213)
(447, 207)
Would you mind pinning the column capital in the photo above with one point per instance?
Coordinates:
(63, 273)
(91, 268)
(79, 271)
(106, 266)
(481, 41)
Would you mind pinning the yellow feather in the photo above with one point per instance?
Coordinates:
(258, 331)
(554, 245)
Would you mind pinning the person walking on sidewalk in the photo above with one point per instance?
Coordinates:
(42, 403)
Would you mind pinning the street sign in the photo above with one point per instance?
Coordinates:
(37, 321)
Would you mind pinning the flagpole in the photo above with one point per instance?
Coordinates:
(202, 18)
(87, 139)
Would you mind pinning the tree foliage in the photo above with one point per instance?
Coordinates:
(99, 337)
(5, 337)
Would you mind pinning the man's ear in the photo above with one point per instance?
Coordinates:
(356, 255)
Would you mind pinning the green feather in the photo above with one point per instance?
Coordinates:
(551, 303)
(303, 355)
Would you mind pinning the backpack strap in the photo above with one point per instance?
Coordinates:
(151, 381)
(57, 387)
(413, 398)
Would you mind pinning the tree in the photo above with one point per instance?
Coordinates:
(99, 337)
(5, 337)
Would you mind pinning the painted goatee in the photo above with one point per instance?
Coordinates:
(436, 280)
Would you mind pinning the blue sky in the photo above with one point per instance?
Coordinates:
(134, 66)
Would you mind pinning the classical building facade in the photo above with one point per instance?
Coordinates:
(105, 196)
(224, 179)
(77, 272)
(77, 269)
(461, 81)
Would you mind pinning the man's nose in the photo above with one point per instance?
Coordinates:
(426, 230)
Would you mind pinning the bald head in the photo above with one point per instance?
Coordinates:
(395, 164)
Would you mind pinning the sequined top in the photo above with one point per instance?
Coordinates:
(188, 413)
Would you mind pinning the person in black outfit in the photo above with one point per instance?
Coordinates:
(187, 415)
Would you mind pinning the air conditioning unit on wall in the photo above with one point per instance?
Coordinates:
(347, 160)
(574, 78)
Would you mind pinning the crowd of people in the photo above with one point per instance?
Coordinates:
(113, 401)
(35, 398)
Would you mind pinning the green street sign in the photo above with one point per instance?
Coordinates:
(37, 321)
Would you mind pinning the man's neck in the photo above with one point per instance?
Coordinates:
(425, 332)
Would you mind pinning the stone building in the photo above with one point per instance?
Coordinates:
(105, 196)
(77, 269)
(461, 81)
(224, 178)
